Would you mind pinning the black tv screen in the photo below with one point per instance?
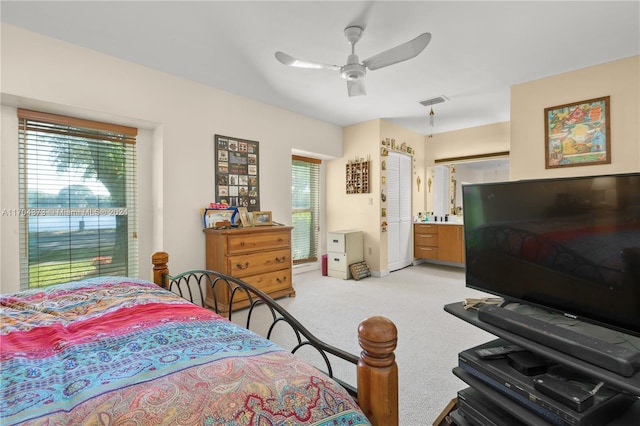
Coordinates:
(571, 245)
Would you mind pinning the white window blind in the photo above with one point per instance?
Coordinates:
(305, 195)
(78, 200)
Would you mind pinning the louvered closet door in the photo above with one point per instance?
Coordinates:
(398, 211)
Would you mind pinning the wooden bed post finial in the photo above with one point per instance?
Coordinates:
(160, 268)
(378, 371)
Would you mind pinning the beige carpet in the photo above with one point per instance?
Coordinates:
(429, 339)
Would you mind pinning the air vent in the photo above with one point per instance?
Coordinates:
(433, 101)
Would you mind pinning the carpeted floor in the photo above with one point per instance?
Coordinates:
(429, 339)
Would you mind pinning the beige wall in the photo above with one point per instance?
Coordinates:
(619, 79)
(176, 154)
(362, 211)
(472, 141)
(356, 211)
(481, 140)
(523, 135)
(180, 117)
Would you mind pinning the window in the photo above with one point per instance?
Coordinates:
(305, 195)
(77, 198)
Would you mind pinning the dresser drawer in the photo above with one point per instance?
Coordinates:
(257, 263)
(271, 281)
(425, 228)
(424, 252)
(266, 241)
(427, 240)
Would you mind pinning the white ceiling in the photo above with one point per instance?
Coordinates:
(477, 51)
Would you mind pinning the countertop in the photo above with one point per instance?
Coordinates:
(439, 223)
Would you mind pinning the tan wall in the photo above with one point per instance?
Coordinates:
(472, 141)
(619, 79)
(356, 211)
(523, 135)
(362, 211)
(481, 140)
(176, 156)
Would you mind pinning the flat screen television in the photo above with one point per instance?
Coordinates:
(571, 245)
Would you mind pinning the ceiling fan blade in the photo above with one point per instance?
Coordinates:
(356, 87)
(293, 62)
(399, 53)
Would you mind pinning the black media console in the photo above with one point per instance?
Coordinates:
(502, 392)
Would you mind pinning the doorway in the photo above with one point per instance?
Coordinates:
(399, 224)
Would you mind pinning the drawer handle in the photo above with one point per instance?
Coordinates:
(426, 249)
(280, 239)
(281, 259)
(335, 241)
(242, 243)
(240, 266)
(281, 280)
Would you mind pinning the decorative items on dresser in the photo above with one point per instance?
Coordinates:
(442, 242)
(260, 256)
(344, 248)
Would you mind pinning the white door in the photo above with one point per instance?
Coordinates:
(398, 211)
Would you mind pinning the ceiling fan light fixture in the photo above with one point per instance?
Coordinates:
(352, 72)
(353, 34)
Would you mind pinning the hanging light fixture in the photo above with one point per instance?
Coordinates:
(430, 103)
(431, 115)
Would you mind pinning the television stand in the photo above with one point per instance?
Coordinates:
(627, 384)
(628, 416)
(595, 351)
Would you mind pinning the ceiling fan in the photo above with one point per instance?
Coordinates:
(354, 71)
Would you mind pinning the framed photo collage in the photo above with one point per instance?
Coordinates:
(237, 173)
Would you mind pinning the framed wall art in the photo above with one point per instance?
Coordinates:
(578, 134)
(237, 172)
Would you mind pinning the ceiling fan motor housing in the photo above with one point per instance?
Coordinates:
(353, 70)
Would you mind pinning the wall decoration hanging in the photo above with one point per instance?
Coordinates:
(578, 134)
(390, 144)
(237, 172)
(357, 178)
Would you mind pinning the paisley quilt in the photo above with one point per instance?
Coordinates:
(109, 351)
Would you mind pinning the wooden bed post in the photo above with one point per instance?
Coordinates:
(378, 371)
(160, 268)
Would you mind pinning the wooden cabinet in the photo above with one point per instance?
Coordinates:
(261, 256)
(425, 241)
(450, 243)
(438, 242)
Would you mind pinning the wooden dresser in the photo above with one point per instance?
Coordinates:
(438, 242)
(260, 255)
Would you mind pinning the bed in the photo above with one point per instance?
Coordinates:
(117, 350)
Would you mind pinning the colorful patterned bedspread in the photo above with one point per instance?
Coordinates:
(123, 351)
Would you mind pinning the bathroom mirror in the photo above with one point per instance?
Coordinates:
(448, 180)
